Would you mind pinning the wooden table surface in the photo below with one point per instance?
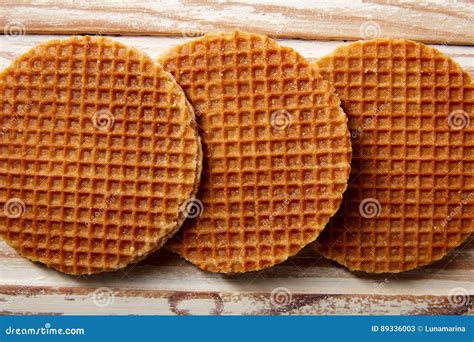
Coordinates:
(307, 283)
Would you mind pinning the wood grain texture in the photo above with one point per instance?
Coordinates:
(448, 22)
(12, 47)
(305, 284)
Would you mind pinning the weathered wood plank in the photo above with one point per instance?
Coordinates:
(442, 22)
(12, 47)
(305, 272)
(81, 301)
(165, 284)
(307, 283)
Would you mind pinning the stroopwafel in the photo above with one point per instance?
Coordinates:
(276, 150)
(410, 198)
(98, 153)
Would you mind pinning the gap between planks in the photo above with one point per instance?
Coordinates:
(10, 48)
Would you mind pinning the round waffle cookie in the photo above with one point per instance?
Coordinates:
(410, 198)
(98, 152)
(276, 151)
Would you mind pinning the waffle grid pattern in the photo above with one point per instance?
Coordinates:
(98, 143)
(398, 96)
(267, 191)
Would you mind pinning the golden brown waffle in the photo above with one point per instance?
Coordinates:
(98, 152)
(276, 150)
(411, 193)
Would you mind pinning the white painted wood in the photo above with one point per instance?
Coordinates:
(449, 22)
(150, 286)
(12, 47)
(114, 304)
